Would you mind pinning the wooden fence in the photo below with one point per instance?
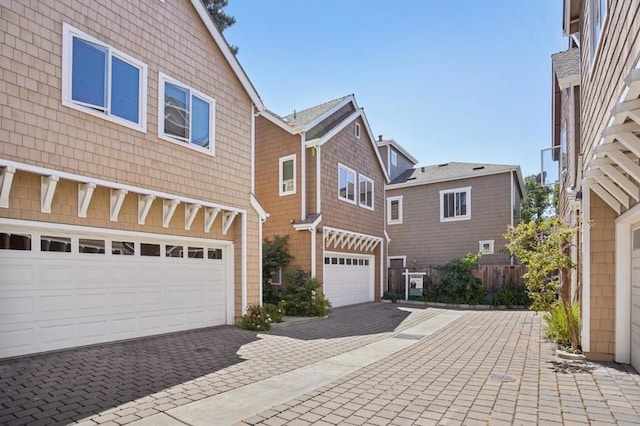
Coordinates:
(493, 277)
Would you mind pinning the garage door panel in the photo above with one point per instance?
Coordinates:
(52, 300)
(348, 284)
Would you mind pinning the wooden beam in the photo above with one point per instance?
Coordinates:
(48, 186)
(6, 180)
(168, 209)
(630, 142)
(115, 203)
(330, 238)
(625, 164)
(227, 220)
(210, 214)
(144, 205)
(614, 174)
(611, 187)
(85, 192)
(190, 212)
(605, 196)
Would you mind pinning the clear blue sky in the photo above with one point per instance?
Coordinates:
(458, 80)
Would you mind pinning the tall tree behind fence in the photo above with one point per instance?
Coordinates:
(493, 277)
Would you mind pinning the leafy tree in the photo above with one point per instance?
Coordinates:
(221, 19)
(542, 246)
(537, 202)
(275, 256)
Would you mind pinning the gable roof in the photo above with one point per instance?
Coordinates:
(566, 67)
(451, 171)
(302, 121)
(398, 148)
(228, 54)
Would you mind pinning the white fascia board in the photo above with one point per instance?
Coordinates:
(278, 121)
(410, 184)
(567, 82)
(350, 99)
(308, 226)
(228, 54)
(356, 234)
(43, 171)
(258, 207)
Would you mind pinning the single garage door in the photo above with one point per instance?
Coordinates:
(63, 289)
(348, 279)
(635, 301)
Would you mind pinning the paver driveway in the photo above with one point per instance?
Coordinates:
(450, 376)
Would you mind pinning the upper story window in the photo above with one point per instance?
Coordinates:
(563, 148)
(346, 184)
(598, 11)
(102, 81)
(366, 192)
(358, 130)
(185, 115)
(394, 210)
(455, 204)
(394, 158)
(288, 175)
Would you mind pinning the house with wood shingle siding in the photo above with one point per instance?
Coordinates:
(606, 193)
(321, 179)
(126, 174)
(440, 212)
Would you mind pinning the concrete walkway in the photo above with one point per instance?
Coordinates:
(236, 405)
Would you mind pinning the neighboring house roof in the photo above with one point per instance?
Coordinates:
(399, 148)
(566, 66)
(451, 171)
(310, 115)
(228, 54)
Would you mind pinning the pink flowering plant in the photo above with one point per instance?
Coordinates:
(256, 318)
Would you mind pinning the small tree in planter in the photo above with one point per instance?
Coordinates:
(275, 256)
(541, 245)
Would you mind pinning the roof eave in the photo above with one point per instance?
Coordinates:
(319, 119)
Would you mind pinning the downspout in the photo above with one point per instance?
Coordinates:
(244, 263)
(513, 206)
(318, 179)
(303, 176)
(314, 261)
(253, 149)
(586, 269)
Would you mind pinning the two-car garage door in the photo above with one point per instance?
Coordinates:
(348, 279)
(61, 288)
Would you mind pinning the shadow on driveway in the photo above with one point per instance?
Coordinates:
(60, 387)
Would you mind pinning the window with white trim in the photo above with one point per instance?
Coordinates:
(100, 80)
(394, 158)
(276, 276)
(366, 192)
(486, 246)
(598, 13)
(394, 210)
(346, 184)
(287, 175)
(188, 116)
(455, 204)
(357, 130)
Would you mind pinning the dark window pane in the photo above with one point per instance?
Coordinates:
(173, 251)
(60, 244)
(327, 260)
(147, 249)
(89, 73)
(123, 248)
(196, 252)
(334, 260)
(90, 246)
(200, 122)
(215, 253)
(125, 90)
(15, 241)
(395, 210)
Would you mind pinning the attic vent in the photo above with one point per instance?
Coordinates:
(422, 169)
(411, 178)
(443, 165)
(478, 168)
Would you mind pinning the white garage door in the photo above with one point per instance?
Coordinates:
(60, 289)
(635, 301)
(348, 279)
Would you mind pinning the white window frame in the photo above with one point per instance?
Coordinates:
(394, 158)
(466, 216)
(277, 273)
(361, 179)
(164, 78)
(596, 27)
(68, 33)
(357, 130)
(355, 187)
(280, 180)
(490, 250)
(397, 221)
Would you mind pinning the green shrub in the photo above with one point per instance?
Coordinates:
(256, 319)
(275, 312)
(509, 297)
(301, 295)
(390, 295)
(458, 284)
(557, 328)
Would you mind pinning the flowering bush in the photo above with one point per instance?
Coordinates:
(256, 319)
(275, 312)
